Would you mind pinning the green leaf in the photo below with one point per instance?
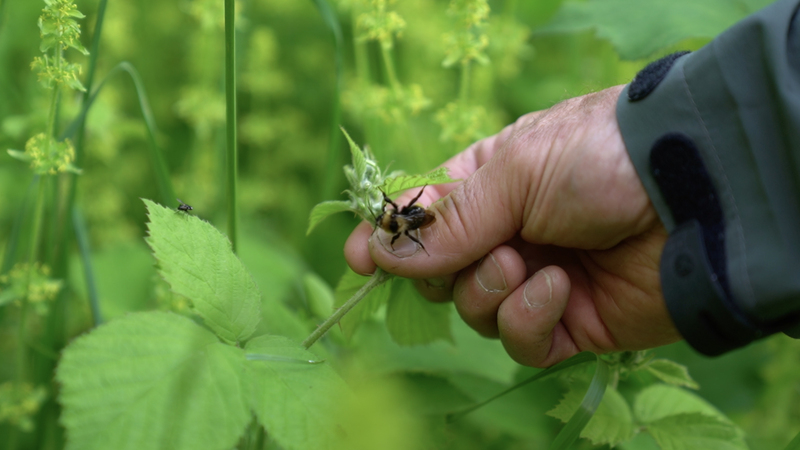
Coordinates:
(671, 372)
(660, 400)
(20, 155)
(695, 431)
(412, 320)
(319, 295)
(640, 29)
(151, 381)
(323, 210)
(197, 261)
(393, 185)
(359, 161)
(348, 285)
(296, 403)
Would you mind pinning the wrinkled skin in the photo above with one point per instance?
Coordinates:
(549, 243)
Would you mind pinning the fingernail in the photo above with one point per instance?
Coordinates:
(539, 290)
(403, 247)
(435, 283)
(489, 275)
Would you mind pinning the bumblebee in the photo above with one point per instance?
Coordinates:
(183, 206)
(402, 220)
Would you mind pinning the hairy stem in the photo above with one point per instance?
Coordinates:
(230, 119)
(377, 279)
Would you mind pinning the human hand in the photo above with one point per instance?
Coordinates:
(550, 243)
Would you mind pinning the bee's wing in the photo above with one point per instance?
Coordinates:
(428, 220)
(180, 201)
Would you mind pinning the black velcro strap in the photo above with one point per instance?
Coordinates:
(648, 78)
(689, 193)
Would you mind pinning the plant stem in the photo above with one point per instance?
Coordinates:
(230, 118)
(463, 88)
(377, 279)
(22, 357)
(386, 53)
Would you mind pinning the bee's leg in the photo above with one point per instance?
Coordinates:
(417, 241)
(411, 203)
(394, 238)
(388, 200)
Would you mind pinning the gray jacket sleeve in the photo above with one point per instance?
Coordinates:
(715, 138)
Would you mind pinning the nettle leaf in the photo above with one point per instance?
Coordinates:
(611, 423)
(412, 320)
(694, 431)
(197, 261)
(348, 285)
(150, 381)
(660, 400)
(295, 402)
(639, 29)
(359, 160)
(323, 210)
(394, 185)
(671, 372)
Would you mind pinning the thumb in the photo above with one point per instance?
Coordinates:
(478, 215)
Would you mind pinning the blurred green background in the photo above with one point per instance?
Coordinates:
(287, 108)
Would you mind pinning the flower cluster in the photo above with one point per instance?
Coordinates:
(381, 24)
(59, 31)
(461, 123)
(19, 402)
(33, 284)
(469, 40)
(391, 105)
(47, 156)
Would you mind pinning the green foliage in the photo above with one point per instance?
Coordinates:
(197, 261)
(640, 29)
(178, 379)
(412, 320)
(117, 381)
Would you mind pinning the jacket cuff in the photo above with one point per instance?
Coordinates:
(709, 134)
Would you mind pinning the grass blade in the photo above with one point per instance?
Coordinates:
(332, 172)
(82, 236)
(230, 119)
(594, 395)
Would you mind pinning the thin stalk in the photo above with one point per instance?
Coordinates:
(391, 73)
(466, 79)
(230, 119)
(332, 172)
(22, 357)
(377, 279)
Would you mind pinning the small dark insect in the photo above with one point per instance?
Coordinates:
(183, 206)
(402, 220)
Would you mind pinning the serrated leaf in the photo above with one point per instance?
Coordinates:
(197, 261)
(695, 431)
(348, 285)
(319, 295)
(661, 400)
(359, 161)
(296, 403)
(401, 183)
(611, 423)
(151, 381)
(671, 372)
(640, 29)
(323, 210)
(412, 320)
